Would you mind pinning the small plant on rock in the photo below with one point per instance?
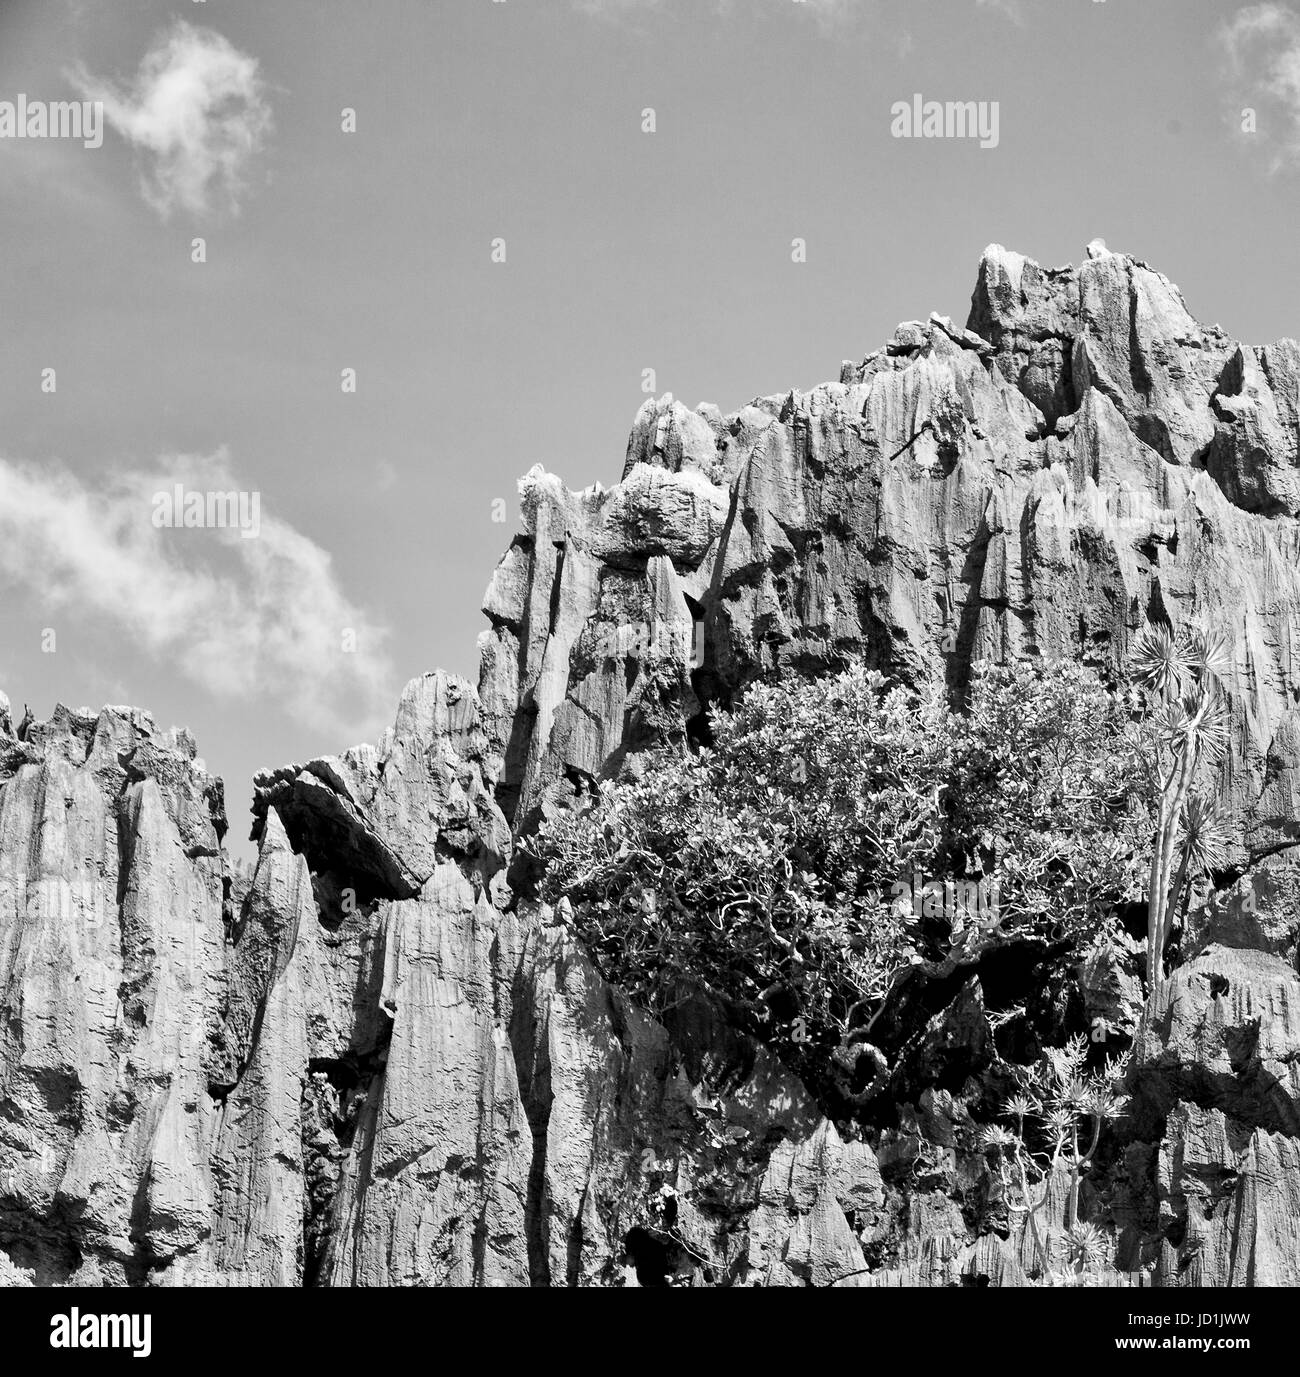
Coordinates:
(1062, 1107)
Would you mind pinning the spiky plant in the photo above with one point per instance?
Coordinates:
(1070, 1104)
(1182, 675)
(1081, 1251)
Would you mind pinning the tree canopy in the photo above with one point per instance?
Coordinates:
(843, 836)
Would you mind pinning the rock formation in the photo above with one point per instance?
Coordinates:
(374, 1060)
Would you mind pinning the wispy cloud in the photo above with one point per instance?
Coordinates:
(196, 114)
(1261, 45)
(247, 619)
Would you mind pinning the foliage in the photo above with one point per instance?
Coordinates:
(782, 870)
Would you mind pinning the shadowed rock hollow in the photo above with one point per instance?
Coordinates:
(368, 1062)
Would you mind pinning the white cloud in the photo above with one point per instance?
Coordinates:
(1262, 47)
(196, 114)
(246, 619)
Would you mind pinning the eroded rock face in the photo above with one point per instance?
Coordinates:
(1081, 458)
(370, 1062)
(111, 976)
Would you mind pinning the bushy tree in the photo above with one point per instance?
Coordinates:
(843, 836)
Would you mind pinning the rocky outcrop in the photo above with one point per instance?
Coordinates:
(374, 1060)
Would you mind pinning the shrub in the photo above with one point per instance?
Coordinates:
(1071, 1105)
(843, 836)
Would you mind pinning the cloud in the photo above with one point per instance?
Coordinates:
(247, 619)
(1261, 45)
(196, 115)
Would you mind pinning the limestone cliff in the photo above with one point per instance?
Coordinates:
(371, 1062)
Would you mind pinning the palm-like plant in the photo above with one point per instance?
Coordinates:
(1071, 1105)
(1183, 674)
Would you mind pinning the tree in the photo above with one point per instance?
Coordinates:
(1187, 714)
(846, 838)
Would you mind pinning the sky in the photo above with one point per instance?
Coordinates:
(531, 204)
